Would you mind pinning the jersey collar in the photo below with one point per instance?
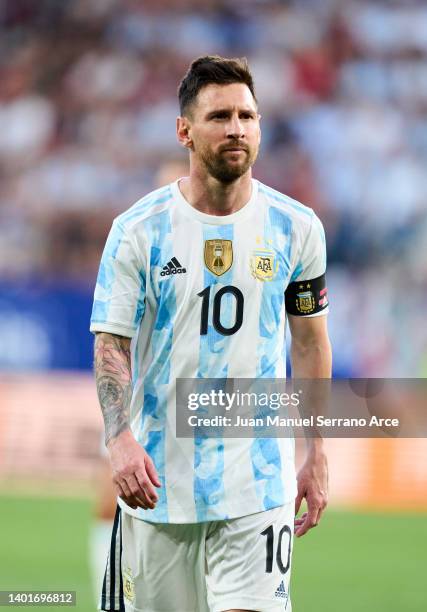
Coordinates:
(191, 212)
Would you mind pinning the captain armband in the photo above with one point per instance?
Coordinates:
(307, 297)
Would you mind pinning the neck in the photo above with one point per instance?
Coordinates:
(212, 197)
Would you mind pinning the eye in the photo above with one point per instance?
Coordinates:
(220, 115)
(247, 115)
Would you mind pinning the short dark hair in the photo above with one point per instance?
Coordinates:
(212, 69)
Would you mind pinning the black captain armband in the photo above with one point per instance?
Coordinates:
(306, 297)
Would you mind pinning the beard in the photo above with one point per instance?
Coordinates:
(221, 168)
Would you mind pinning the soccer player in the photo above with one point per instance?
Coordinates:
(194, 282)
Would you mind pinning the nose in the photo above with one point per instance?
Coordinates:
(235, 128)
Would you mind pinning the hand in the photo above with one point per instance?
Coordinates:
(134, 473)
(312, 482)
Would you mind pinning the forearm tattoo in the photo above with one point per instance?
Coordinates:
(113, 382)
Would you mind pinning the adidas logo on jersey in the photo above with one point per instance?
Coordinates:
(281, 591)
(172, 267)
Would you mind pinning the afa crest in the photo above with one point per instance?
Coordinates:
(218, 256)
(263, 265)
(128, 585)
(305, 302)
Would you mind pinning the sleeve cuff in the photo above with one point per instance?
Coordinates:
(113, 328)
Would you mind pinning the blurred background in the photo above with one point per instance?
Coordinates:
(87, 126)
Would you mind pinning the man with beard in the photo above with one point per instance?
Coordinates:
(194, 282)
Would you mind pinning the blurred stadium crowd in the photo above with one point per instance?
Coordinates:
(87, 126)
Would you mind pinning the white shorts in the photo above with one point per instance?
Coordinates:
(241, 563)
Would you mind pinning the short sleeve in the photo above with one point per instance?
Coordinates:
(119, 300)
(306, 294)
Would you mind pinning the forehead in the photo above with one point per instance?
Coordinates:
(234, 95)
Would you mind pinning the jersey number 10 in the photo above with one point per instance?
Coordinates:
(216, 315)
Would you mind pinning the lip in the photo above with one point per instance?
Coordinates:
(235, 149)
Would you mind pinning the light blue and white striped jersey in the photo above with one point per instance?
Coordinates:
(163, 264)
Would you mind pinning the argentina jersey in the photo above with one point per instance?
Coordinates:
(206, 296)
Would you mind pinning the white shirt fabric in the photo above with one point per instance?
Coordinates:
(274, 241)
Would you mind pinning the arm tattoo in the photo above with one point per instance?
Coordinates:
(113, 381)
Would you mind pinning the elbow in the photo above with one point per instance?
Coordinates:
(311, 359)
(315, 347)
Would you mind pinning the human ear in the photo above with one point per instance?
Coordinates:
(183, 132)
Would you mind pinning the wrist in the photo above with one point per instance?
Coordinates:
(316, 447)
(123, 436)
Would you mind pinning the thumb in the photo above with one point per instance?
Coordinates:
(152, 472)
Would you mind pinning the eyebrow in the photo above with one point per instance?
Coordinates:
(229, 110)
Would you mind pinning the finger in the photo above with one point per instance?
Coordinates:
(142, 503)
(126, 494)
(132, 503)
(322, 508)
(300, 520)
(128, 501)
(298, 500)
(138, 492)
(145, 485)
(152, 472)
(123, 488)
(310, 520)
(302, 529)
(319, 515)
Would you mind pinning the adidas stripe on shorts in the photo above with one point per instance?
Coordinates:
(242, 563)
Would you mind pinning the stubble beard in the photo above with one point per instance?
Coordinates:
(221, 169)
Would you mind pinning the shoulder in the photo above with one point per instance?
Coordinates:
(154, 203)
(291, 209)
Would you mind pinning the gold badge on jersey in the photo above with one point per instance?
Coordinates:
(263, 265)
(305, 301)
(128, 585)
(218, 256)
